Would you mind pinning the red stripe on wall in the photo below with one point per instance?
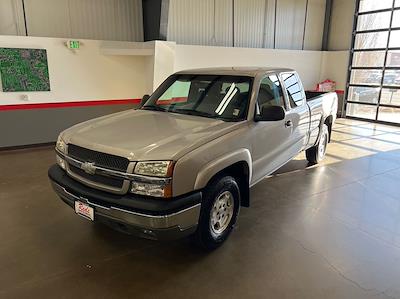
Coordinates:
(69, 104)
(173, 100)
(89, 103)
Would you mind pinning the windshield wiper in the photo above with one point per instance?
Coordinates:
(154, 108)
(192, 112)
(200, 113)
(186, 111)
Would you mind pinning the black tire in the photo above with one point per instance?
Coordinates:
(205, 235)
(316, 153)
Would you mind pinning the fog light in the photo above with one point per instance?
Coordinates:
(151, 189)
(60, 162)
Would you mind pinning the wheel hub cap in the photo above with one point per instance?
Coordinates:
(322, 145)
(221, 213)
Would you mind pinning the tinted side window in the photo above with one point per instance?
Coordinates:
(294, 89)
(270, 93)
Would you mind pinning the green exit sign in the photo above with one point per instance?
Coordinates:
(74, 44)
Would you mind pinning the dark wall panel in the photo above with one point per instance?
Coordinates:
(27, 127)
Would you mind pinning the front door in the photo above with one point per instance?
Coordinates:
(298, 113)
(271, 139)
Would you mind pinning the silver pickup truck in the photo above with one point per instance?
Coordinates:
(183, 162)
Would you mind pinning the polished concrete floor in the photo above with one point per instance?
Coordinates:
(327, 231)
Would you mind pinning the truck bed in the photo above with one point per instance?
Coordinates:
(313, 95)
(321, 105)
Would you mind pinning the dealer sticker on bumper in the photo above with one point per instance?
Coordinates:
(84, 210)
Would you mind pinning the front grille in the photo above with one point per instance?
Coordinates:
(107, 181)
(99, 159)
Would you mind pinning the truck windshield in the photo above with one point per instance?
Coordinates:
(213, 96)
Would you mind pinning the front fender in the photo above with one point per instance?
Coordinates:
(212, 168)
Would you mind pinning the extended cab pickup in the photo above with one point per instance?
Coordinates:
(183, 162)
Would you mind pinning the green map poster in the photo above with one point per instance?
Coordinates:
(24, 70)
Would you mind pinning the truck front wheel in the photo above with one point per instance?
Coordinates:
(219, 211)
(317, 153)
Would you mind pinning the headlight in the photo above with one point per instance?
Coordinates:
(61, 145)
(149, 189)
(155, 168)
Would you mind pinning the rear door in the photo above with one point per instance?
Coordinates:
(270, 139)
(298, 114)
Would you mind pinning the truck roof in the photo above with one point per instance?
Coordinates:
(238, 71)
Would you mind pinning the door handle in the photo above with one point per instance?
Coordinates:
(288, 124)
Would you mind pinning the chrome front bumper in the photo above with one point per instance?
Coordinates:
(170, 226)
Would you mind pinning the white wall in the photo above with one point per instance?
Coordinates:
(313, 66)
(315, 24)
(290, 20)
(84, 75)
(210, 22)
(334, 67)
(120, 20)
(164, 61)
(341, 25)
(307, 63)
(205, 22)
(11, 18)
(250, 18)
(197, 22)
(114, 70)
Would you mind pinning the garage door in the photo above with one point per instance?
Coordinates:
(373, 91)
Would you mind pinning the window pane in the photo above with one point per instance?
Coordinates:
(393, 58)
(374, 21)
(270, 93)
(180, 89)
(368, 5)
(362, 111)
(371, 40)
(392, 77)
(389, 114)
(375, 58)
(294, 90)
(366, 77)
(397, 3)
(396, 19)
(363, 94)
(390, 96)
(394, 39)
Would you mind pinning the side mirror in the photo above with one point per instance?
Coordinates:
(144, 100)
(271, 113)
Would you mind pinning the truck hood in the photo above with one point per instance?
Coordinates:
(146, 135)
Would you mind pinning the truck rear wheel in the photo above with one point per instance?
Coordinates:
(317, 153)
(219, 211)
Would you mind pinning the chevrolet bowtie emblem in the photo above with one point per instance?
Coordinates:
(88, 167)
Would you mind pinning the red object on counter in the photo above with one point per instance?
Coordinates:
(327, 85)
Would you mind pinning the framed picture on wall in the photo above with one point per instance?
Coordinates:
(24, 70)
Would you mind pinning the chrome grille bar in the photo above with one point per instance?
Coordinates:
(117, 174)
